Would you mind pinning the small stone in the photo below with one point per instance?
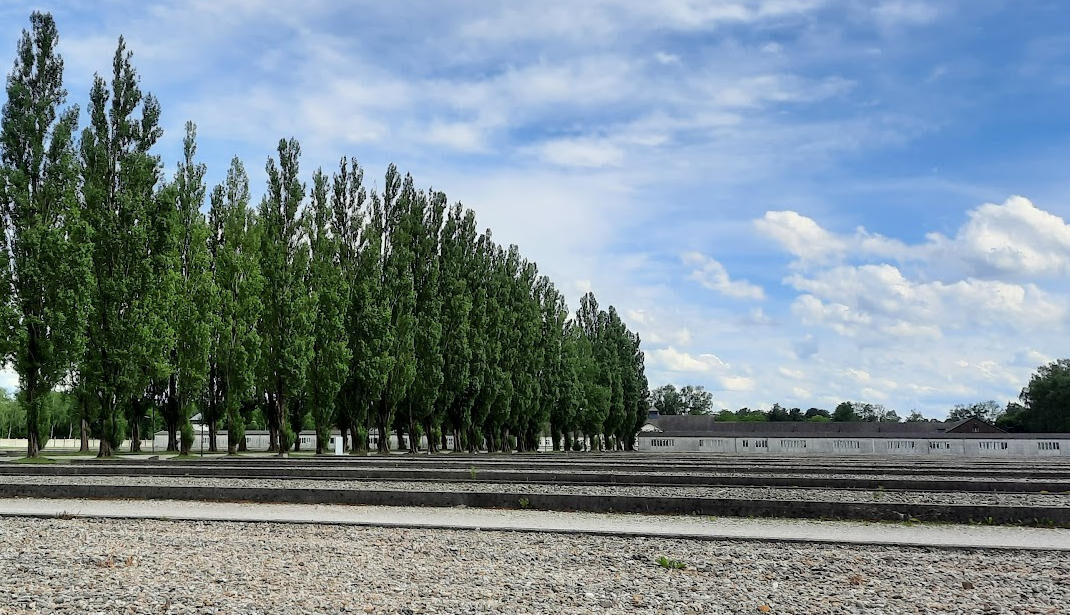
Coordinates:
(967, 585)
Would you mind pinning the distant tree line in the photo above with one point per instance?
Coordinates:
(1043, 406)
(326, 304)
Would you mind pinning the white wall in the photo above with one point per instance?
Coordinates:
(57, 444)
(847, 446)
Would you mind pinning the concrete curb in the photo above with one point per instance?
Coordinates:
(538, 530)
(1009, 515)
(536, 476)
(631, 464)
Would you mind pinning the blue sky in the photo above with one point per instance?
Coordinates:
(794, 201)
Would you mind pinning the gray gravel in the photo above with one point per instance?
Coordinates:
(92, 566)
(750, 493)
(712, 473)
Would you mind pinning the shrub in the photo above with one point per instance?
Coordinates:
(286, 438)
(186, 438)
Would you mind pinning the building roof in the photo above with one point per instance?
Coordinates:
(685, 425)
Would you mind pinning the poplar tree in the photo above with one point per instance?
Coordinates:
(44, 250)
(393, 221)
(235, 247)
(118, 180)
(287, 317)
(190, 307)
(360, 233)
(426, 214)
(458, 242)
(329, 289)
(486, 346)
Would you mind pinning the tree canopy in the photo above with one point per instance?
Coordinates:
(327, 306)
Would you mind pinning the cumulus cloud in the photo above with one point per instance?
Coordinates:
(868, 299)
(712, 275)
(1012, 240)
(673, 360)
(707, 365)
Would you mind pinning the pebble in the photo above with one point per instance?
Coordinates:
(75, 566)
(746, 493)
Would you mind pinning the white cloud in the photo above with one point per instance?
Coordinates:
(1015, 240)
(878, 299)
(801, 236)
(709, 365)
(794, 374)
(762, 89)
(712, 274)
(907, 12)
(461, 136)
(581, 153)
(676, 361)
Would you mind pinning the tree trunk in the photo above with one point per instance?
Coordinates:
(33, 446)
(135, 432)
(172, 436)
(383, 446)
(84, 448)
(280, 420)
(211, 437)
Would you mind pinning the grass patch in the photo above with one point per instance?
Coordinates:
(671, 564)
(34, 460)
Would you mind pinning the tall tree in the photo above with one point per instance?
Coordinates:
(238, 283)
(426, 215)
(367, 314)
(287, 317)
(458, 243)
(329, 289)
(119, 176)
(393, 221)
(194, 307)
(44, 255)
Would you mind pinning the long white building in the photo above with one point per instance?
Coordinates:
(967, 438)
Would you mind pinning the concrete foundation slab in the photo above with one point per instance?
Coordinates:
(692, 527)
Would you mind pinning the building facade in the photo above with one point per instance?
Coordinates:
(967, 438)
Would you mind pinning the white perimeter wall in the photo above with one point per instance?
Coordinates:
(947, 447)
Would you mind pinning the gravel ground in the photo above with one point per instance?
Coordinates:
(713, 473)
(94, 566)
(749, 493)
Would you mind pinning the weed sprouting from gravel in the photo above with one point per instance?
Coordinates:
(671, 564)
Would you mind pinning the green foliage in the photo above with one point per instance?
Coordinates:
(1046, 399)
(343, 310)
(193, 301)
(691, 399)
(845, 412)
(119, 177)
(234, 245)
(671, 564)
(329, 362)
(44, 251)
(286, 322)
(988, 411)
(286, 437)
(187, 438)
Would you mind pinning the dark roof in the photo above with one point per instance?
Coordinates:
(684, 425)
(972, 425)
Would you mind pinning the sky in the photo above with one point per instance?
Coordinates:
(793, 201)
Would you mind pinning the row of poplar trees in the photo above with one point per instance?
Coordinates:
(381, 310)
